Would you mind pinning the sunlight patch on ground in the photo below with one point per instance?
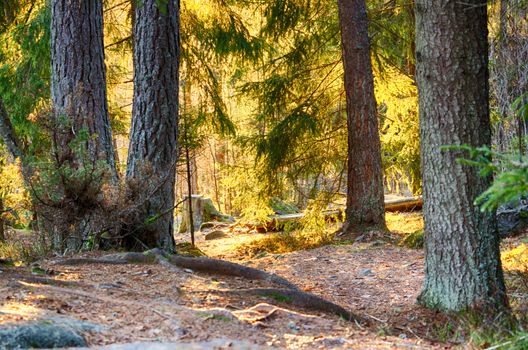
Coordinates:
(20, 309)
(516, 258)
(404, 222)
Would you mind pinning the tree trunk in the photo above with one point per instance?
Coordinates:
(2, 221)
(78, 86)
(365, 184)
(7, 133)
(463, 268)
(154, 131)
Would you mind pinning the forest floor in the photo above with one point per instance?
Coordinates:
(131, 303)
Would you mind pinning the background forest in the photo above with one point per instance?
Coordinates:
(128, 126)
(262, 108)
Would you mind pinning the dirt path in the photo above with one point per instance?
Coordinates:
(152, 303)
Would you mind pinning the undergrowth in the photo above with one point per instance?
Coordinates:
(23, 250)
(314, 232)
(510, 336)
(413, 240)
(286, 242)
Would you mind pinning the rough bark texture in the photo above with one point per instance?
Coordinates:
(153, 138)
(78, 85)
(365, 183)
(463, 268)
(2, 221)
(7, 133)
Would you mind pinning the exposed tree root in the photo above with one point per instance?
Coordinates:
(297, 298)
(229, 269)
(44, 280)
(290, 293)
(195, 263)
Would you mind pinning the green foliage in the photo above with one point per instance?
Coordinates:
(16, 200)
(311, 232)
(188, 249)
(517, 341)
(413, 240)
(25, 72)
(279, 297)
(397, 98)
(23, 247)
(286, 242)
(282, 207)
(510, 170)
(249, 197)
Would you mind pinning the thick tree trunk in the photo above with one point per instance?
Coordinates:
(154, 131)
(463, 268)
(78, 86)
(365, 184)
(78, 92)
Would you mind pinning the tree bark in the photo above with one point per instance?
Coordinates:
(7, 133)
(365, 184)
(2, 221)
(78, 86)
(154, 131)
(463, 268)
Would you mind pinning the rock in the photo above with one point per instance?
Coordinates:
(332, 341)
(366, 272)
(206, 345)
(213, 224)
(293, 326)
(207, 225)
(40, 334)
(204, 210)
(215, 235)
(281, 207)
(512, 218)
(109, 286)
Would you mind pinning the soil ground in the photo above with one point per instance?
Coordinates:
(152, 303)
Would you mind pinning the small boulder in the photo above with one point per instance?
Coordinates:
(213, 225)
(217, 234)
(39, 335)
(207, 225)
(366, 273)
(512, 218)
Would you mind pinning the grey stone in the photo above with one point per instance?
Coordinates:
(215, 235)
(512, 218)
(366, 272)
(208, 345)
(42, 334)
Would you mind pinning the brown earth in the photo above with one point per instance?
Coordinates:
(154, 303)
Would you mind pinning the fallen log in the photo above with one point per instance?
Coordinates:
(404, 204)
(277, 222)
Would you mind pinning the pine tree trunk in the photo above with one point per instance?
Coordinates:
(154, 131)
(79, 74)
(364, 209)
(2, 221)
(463, 268)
